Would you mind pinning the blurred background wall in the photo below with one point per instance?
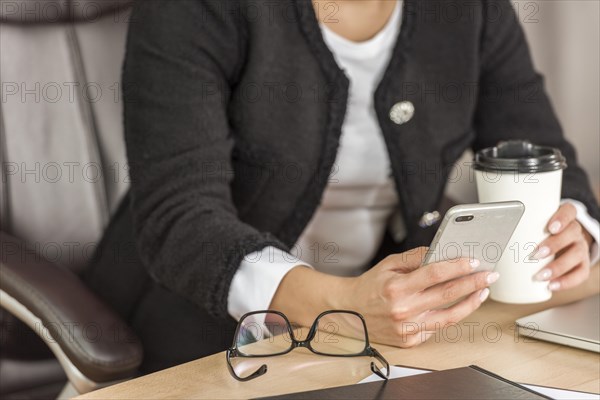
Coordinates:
(564, 37)
(565, 43)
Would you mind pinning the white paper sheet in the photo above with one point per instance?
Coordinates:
(558, 394)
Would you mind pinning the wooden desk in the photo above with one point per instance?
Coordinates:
(487, 338)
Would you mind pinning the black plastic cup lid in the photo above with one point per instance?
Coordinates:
(519, 156)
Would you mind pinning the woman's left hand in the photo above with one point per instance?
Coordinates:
(570, 243)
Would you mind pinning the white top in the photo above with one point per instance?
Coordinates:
(348, 226)
(346, 230)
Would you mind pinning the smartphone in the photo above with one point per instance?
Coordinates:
(477, 231)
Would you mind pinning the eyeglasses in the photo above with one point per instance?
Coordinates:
(337, 333)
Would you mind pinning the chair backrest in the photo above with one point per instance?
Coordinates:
(62, 148)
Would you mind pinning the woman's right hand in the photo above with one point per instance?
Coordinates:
(403, 303)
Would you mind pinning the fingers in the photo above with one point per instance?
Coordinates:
(574, 278)
(562, 218)
(436, 319)
(451, 291)
(414, 331)
(405, 262)
(433, 274)
(555, 243)
(573, 256)
(406, 298)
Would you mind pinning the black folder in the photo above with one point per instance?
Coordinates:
(465, 383)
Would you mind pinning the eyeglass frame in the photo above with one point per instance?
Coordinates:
(369, 351)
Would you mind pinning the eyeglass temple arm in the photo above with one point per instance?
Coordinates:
(260, 371)
(375, 369)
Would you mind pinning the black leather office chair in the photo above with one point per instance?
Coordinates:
(63, 176)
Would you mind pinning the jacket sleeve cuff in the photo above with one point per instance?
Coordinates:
(257, 279)
(589, 224)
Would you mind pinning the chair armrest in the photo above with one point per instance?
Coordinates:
(91, 341)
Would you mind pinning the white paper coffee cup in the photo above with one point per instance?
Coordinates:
(519, 170)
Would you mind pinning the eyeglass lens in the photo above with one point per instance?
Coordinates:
(339, 333)
(263, 334)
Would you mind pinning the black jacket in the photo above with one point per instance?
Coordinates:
(234, 110)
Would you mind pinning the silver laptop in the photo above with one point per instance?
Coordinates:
(576, 324)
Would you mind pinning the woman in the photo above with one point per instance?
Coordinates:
(255, 129)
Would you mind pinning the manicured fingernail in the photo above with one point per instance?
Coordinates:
(554, 227)
(474, 263)
(543, 275)
(483, 295)
(493, 277)
(542, 252)
(554, 286)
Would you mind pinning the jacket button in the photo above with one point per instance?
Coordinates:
(429, 218)
(402, 112)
